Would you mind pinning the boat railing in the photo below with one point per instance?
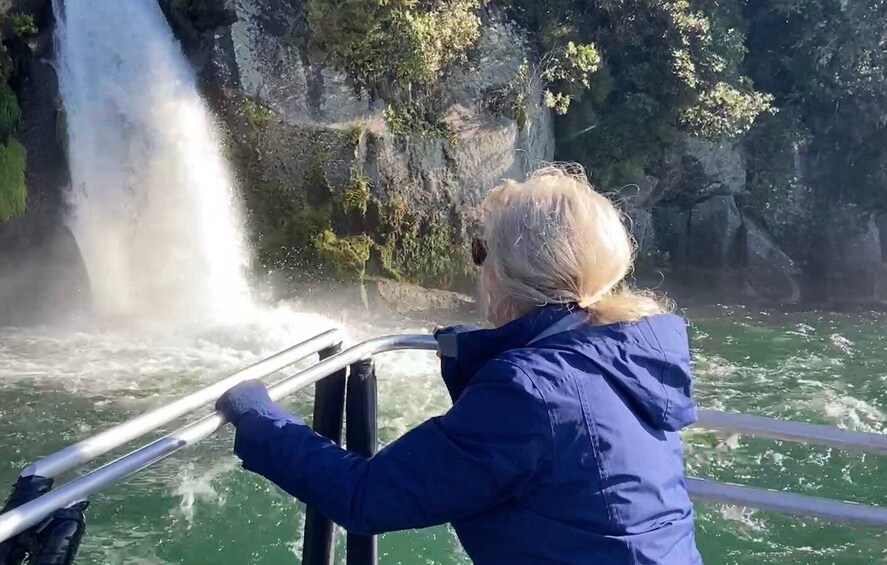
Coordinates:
(346, 392)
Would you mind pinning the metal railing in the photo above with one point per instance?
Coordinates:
(110, 439)
(28, 515)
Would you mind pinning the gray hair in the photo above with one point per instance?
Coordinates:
(554, 240)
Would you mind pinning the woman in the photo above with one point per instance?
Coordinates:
(562, 444)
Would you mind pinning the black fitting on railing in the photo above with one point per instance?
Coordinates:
(362, 437)
(15, 550)
(329, 408)
(60, 538)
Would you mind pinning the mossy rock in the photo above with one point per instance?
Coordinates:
(423, 250)
(13, 193)
(10, 112)
(349, 255)
(356, 195)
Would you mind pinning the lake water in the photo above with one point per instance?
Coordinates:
(59, 385)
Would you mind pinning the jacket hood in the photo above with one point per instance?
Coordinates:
(647, 361)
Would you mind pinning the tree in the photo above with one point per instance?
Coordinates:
(826, 61)
(667, 67)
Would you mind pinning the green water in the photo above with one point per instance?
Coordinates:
(198, 507)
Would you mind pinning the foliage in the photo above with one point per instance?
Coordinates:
(348, 254)
(512, 100)
(384, 42)
(7, 65)
(421, 249)
(22, 25)
(770, 151)
(826, 61)
(570, 67)
(10, 112)
(256, 114)
(356, 195)
(648, 71)
(417, 119)
(724, 111)
(355, 134)
(13, 194)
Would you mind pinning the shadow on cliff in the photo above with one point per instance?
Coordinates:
(42, 275)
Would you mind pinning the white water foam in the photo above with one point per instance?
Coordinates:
(154, 210)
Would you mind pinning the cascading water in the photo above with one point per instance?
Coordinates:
(153, 205)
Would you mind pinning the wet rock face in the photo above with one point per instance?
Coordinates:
(768, 272)
(714, 226)
(45, 280)
(311, 117)
(707, 233)
(42, 275)
(293, 114)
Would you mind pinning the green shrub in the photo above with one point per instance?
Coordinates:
(256, 114)
(13, 194)
(348, 254)
(637, 74)
(385, 42)
(23, 25)
(7, 65)
(10, 112)
(356, 194)
(416, 119)
(725, 111)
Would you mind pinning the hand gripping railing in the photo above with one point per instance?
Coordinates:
(31, 513)
(20, 519)
(55, 541)
(101, 443)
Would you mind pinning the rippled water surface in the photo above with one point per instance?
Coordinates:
(59, 385)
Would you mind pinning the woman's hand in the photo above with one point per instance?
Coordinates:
(246, 396)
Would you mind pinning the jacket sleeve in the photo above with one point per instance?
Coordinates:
(489, 447)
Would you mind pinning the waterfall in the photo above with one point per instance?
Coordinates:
(153, 205)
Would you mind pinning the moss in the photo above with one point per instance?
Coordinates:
(417, 120)
(13, 193)
(422, 250)
(10, 112)
(315, 178)
(314, 227)
(257, 114)
(284, 224)
(356, 194)
(349, 255)
(22, 25)
(7, 65)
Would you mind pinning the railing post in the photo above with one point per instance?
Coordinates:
(60, 539)
(14, 551)
(329, 406)
(362, 437)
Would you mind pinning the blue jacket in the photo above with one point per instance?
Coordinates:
(563, 451)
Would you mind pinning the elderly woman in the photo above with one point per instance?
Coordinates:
(562, 443)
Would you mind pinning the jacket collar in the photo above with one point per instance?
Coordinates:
(464, 351)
